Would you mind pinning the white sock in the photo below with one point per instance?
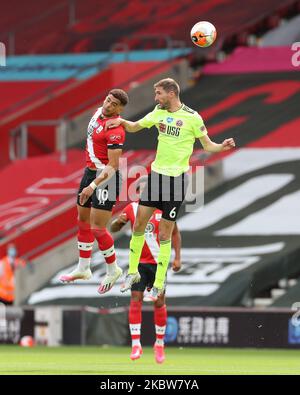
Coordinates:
(136, 342)
(135, 329)
(84, 264)
(160, 331)
(111, 267)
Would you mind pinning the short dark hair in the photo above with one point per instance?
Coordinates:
(120, 95)
(168, 84)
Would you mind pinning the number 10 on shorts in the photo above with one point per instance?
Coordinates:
(102, 195)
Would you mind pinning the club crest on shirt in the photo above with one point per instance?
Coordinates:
(162, 127)
(149, 228)
(179, 123)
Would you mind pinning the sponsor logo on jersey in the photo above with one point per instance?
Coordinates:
(114, 137)
(92, 125)
(173, 131)
(170, 120)
(202, 128)
(98, 130)
(169, 130)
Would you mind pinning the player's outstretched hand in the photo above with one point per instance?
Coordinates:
(113, 123)
(85, 194)
(228, 144)
(176, 265)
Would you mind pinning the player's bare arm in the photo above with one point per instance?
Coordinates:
(176, 242)
(107, 173)
(129, 126)
(211, 146)
(118, 223)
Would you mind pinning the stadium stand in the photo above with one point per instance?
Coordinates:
(90, 29)
(134, 20)
(289, 297)
(63, 95)
(23, 24)
(287, 33)
(252, 60)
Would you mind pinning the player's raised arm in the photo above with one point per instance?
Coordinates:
(211, 146)
(129, 126)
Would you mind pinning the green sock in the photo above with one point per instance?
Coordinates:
(162, 263)
(136, 245)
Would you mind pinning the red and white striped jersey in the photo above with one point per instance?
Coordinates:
(100, 140)
(151, 247)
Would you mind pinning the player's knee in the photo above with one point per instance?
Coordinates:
(98, 223)
(99, 233)
(164, 235)
(84, 216)
(136, 296)
(139, 226)
(160, 302)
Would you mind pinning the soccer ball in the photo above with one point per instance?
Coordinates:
(203, 34)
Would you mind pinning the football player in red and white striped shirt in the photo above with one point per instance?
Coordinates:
(147, 269)
(99, 190)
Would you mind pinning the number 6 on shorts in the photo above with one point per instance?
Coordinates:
(173, 213)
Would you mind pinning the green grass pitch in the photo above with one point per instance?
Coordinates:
(115, 360)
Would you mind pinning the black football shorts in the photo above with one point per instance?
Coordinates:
(165, 193)
(105, 196)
